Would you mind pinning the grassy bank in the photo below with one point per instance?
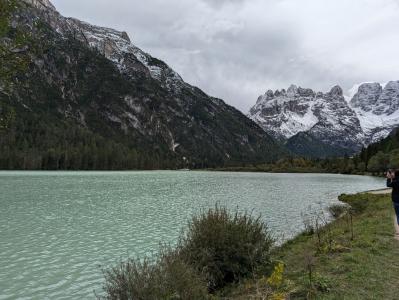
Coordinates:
(224, 255)
(339, 261)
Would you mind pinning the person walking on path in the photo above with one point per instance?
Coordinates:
(393, 182)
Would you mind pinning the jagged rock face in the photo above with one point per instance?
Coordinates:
(337, 124)
(388, 102)
(326, 117)
(329, 119)
(367, 96)
(114, 45)
(41, 4)
(377, 109)
(284, 113)
(117, 47)
(381, 101)
(97, 78)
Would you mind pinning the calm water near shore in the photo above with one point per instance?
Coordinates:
(58, 228)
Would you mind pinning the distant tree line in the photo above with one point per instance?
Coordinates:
(31, 143)
(375, 159)
(383, 155)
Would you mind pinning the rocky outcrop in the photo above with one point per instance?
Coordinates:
(377, 109)
(41, 4)
(324, 116)
(366, 96)
(388, 101)
(328, 118)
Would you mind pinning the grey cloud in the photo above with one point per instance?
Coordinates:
(237, 49)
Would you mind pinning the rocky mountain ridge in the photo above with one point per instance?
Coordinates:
(113, 44)
(342, 124)
(377, 107)
(91, 82)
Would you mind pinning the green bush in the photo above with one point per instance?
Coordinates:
(218, 248)
(226, 247)
(321, 283)
(166, 278)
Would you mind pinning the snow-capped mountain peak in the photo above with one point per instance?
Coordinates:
(117, 47)
(366, 96)
(377, 107)
(113, 44)
(370, 113)
(284, 114)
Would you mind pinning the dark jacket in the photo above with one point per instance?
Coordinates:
(394, 184)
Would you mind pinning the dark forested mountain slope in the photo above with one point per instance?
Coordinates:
(77, 96)
(306, 145)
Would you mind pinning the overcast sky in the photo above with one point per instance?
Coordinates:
(237, 49)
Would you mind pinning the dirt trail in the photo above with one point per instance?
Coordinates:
(383, 192)
(396, 226)
(380, 192)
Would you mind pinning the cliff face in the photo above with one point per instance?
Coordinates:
(326, 119)
(327, 122)
(377, 108)
(65, 73)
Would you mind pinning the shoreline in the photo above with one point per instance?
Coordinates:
(379, 191)
(382, 191)
(341, 255)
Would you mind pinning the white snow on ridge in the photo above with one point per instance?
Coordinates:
(369, 121)
(353, 91)
(291, 121)
(366, 114)
(376, 118)
(355, 88)
(115, 45)
(299, 123)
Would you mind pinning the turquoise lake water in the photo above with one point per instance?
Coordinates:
(58, 229)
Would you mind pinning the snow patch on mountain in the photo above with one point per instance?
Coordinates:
(297, 115)
(117, 47)
(377, 107)
(355, 88)
(113, 44)
(368, 113)
(41, 4)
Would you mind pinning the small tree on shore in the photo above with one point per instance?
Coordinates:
(167, 278)
(218, 248)
(226, 247)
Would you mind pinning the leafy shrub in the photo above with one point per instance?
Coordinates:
(166, 278)
(218, 248)
(226, 247)
(321, 283)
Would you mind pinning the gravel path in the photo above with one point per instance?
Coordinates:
(380, 192)
(387, 191)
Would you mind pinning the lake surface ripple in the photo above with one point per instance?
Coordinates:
(58, 229)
